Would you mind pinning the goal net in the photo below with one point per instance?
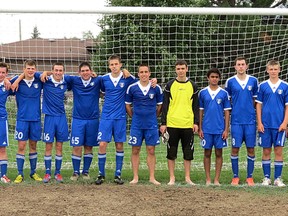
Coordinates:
(205, 38)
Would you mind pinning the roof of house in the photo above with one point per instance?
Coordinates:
(47, 49)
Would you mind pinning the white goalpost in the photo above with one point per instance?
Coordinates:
(204, 37)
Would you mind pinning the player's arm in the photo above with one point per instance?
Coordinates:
(129, 110)
(165, 105)
(227, 122)
(15, 85)
(283, 126)
(126, 73)
(200, 131)
(158, 109)
(260, 126)
(7, 83)
(45, 75)
(195, 107)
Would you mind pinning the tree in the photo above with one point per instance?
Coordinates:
(35, 34)
(208, 41)
(88, 35)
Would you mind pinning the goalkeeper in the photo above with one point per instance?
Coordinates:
(180, 117)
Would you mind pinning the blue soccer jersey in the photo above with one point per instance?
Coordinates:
(86, 96)
(53, 96)
(28, 99)
(115, 90)
(274, 98)
(3, 98)
(145, 101)
(213, 103)
(242, 94)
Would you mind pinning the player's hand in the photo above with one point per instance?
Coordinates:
(225, 135)
(14, 86)
(201, 134)
(7, 84)
(153, 82)
(260, 128)
(163, 128)
(93, 74)
(44, 76)
(195, 128)
(126, 73)
(282, 127)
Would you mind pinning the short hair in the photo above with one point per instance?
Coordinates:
(29, 62)
(213, 70)
(83, 64)
(181, 62)
(240, 58)
(114, 57)
(272, 62)
(59, 64)
(144, 65)
(4, 65)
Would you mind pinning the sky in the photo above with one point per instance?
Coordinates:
(14, 27)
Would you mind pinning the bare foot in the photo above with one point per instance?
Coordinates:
(153, 181)
(171, 182)
(189, 182)
(217, 183)
(208, 183)
(134, 181)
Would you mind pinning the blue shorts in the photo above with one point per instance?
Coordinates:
(112, 127)
(28, 130)
(137, 136)
(55, 126)
(243, 133)
(215, 140)
(4, 139)
(270, 137)
(84, 132)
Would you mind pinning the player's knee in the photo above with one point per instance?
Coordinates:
(188, 154)
(171, 155)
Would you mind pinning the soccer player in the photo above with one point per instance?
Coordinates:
(147, 103)
(242, 89)
(213, 128)
(85, 118)
(28, 120)
(55, 122)
(272, 119)
(180, 117)
(113, 117)
(4, 139)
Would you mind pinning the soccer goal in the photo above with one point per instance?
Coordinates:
(204, 37)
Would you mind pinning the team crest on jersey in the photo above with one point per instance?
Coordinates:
(249, 88)
(280, 91)
(151, 96)
(61, 87)
(36, 85)
(219, 100)
(92, 84)
(3, 89)
(121, 84)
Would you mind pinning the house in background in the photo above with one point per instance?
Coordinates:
(46, 52)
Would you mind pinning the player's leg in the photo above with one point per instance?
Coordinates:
(104, 136)
(119, 133)
(87, 160)
(187, 140)
(278, 163)
(3, 164)
(172, 148)
(48, 161)
(21, 134)
(250, 140)
(265, 141)
(151, 139)
(237, 133)
(89, 142)
(34, 136)
(207, 165)
(76, 161)
(77, 141)
(218, 165)
(4, 142)
(135, 160)
(58, 161)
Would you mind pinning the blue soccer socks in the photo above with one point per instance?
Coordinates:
(20, 159)
(58, 164)
(119, 162)
(101, 163)
(235, 166)
(33, 162)
(76, 161)
(87, 160)
(48, 161)
(266, 168)
(250, 166)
